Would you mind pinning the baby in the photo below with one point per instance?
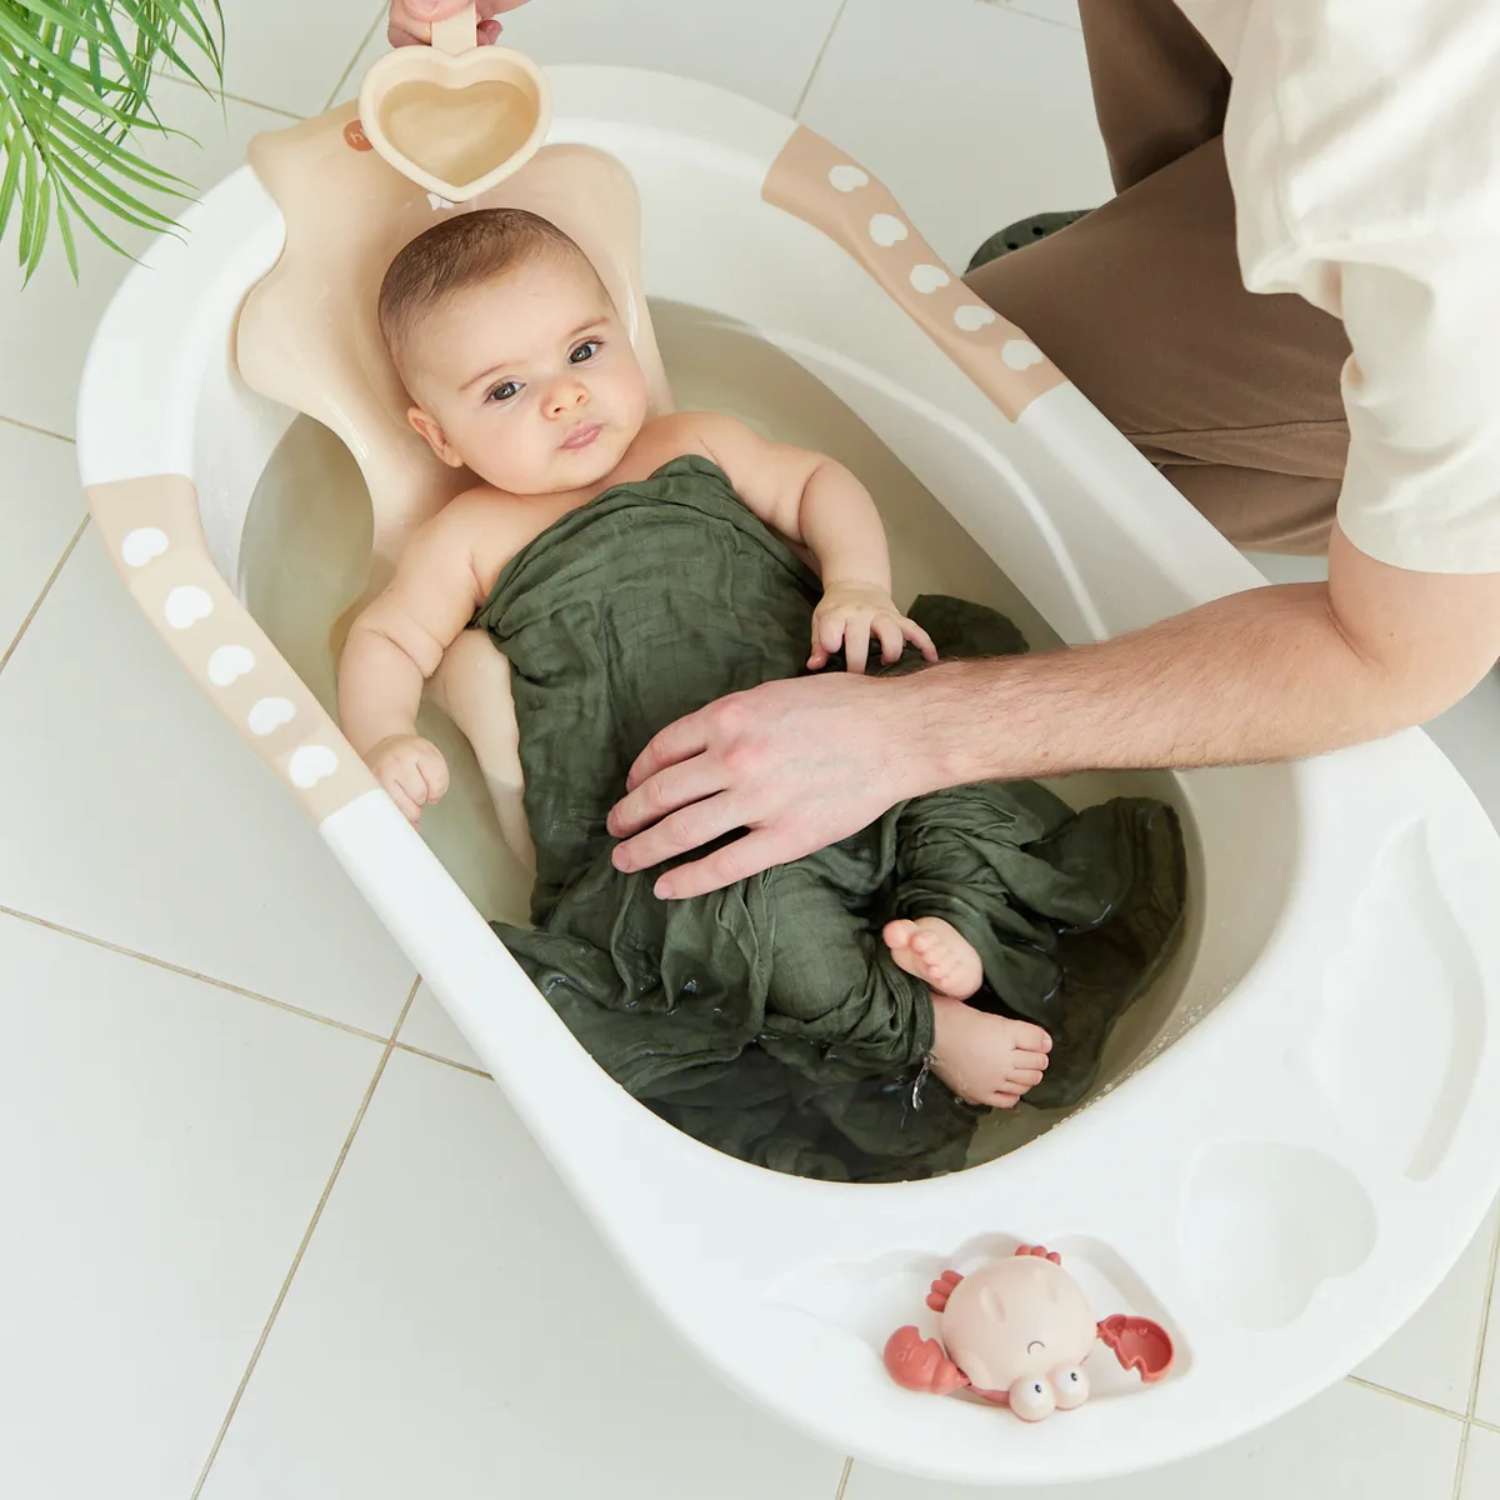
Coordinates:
(631, 570)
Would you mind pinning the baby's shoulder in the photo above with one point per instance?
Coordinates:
(481, 529)
(692, 431)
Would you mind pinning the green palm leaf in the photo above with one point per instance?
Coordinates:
(75, 78)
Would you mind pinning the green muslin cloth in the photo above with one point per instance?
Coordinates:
(768, 1019)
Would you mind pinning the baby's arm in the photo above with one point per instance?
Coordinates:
(815, 501)
(398, 642)
(808, 497)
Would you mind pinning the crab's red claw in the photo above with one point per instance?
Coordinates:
(1140, 1344)
(921, 1364)
(942, 1290)
(1040, 1250)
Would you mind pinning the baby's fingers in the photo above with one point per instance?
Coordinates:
(399, 795)
(856, 643)
(411, 781)
(827, 637)
(919, 638)
(433, 770)
(888, 628)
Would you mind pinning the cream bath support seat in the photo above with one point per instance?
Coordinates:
(1269, 1169)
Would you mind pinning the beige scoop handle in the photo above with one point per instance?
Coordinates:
(457, 33)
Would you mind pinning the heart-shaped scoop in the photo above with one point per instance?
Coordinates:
(454, 117)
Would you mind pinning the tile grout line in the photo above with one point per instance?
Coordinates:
(218, 984)
(1008, 7)
(248, 994)
(1460, 1462)
(818, 63)
(438, 1057)
(286, 1285)
(1484, 1326)
(41, 598)
(26, 426)
(364, 42)
(221, 94)
(1395, 1395)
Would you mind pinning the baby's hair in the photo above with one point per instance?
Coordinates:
(461, 252)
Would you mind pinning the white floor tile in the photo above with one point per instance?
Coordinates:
(973, 116)
(1487, 1404)
(163, 1146)
(1482, 1466)
(1432, 1357)
(457, 1329)
(288, 54)
(1469, 734)
(427, 1026)
(40, 508)
(1062, 12)
(135, 814)
(53, 319)
(765, 51)
(1348, 1444)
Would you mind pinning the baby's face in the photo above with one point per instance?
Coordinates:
(528, 379)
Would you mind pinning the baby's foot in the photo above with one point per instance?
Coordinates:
(983, 1058)
(937, 953)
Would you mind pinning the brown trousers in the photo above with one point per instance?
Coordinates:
(1235, 397)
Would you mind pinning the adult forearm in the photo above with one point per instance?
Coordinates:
(1263, 675)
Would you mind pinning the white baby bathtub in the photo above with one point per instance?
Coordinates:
(1291, 1148)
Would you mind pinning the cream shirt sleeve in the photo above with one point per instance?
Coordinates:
(1363, 142)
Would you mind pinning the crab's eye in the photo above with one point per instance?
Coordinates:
(1032, 1398)
(1070, 1387)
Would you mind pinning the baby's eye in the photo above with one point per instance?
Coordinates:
(585, 351)
(504, 391)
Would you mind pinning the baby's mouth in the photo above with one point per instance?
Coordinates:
(582, 435)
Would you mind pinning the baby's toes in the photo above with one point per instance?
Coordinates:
(898, 934)
(1029, 1038)
(1007, 1101)
(1024, 1078)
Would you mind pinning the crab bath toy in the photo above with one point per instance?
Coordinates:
(1017, 1333)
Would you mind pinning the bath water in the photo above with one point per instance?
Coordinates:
(307, 541)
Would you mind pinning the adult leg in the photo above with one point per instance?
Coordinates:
(1234, 396)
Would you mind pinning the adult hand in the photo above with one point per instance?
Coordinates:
(799, 763)
(411, 20)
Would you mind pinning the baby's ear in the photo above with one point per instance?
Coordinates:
(437, 440)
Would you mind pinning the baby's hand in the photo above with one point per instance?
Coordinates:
(412, 770)
(849, 614)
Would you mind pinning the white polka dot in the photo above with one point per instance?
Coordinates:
(971, 316)
(1021, 354)
(186, 605)
(928, 278)
(269, 714)
(887, 229)
(311, 764)
(144, 543)
(846, 177)
(230, 663)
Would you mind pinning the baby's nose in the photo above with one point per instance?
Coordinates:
(569, 397)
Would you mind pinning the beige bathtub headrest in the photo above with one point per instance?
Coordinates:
(308, 336)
